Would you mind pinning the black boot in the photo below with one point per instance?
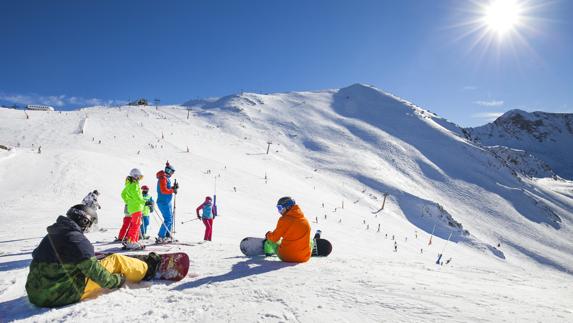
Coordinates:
(153, 262)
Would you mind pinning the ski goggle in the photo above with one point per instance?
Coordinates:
(169, 170)
(280, 208)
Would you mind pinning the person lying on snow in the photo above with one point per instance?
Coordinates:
(294, 230)
(64, 269)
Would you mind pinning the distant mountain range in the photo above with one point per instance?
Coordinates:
(547, 138)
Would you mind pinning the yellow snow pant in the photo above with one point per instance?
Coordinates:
(133, 269)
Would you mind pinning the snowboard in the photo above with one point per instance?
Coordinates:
(174, 266)
(253, 247)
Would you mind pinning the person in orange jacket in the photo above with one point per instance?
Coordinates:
(294, 230)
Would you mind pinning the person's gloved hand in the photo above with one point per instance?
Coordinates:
(148, 203)
(121, 280)
(176, 186)
(199, 217)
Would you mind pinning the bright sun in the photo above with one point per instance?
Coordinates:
(502, 16)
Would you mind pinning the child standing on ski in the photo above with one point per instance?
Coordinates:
(148, 208)
(209, 214)
(135, 202)
(165, 193)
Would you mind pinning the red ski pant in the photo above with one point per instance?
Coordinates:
(133, 231)
(208, 229)
(124, 228)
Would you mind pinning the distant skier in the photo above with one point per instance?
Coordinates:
(148, 208)
(135, 202)
(290, 240)
(64, 269)
(91, 200)
(209, 214)
(165, 193)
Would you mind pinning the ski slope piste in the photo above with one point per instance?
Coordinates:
(503, 239)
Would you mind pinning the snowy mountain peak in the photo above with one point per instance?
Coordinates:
(547, 136)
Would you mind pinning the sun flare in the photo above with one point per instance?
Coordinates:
(502, 16)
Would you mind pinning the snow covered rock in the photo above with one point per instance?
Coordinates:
(547, 136)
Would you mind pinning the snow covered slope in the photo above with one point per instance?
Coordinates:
(336, 152)
(547, 136)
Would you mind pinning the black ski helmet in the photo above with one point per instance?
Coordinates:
(96, 192)
(286, 202)
(82, 215)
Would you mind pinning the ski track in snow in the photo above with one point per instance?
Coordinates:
(364, 280)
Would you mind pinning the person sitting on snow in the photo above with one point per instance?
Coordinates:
(294, 230)
(64, 269)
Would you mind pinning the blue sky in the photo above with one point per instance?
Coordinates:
(76, 53)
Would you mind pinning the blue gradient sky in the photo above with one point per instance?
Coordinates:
(76, 53)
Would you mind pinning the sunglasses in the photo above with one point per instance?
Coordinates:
(280, 208)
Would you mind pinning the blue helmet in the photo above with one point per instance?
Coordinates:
(285, 203)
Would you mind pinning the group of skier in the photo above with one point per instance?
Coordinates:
(139, 204)
(65, 269)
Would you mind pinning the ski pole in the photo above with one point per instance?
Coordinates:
(162, 223)
(215, 211)
(183, 222)
(174, 209)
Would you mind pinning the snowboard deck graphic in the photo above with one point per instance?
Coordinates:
(254, 247)
(174, 266)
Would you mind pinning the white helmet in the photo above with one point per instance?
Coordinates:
(135, 173)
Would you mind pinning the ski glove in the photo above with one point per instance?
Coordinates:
(175, 186)
(121, 280)
(148, 203)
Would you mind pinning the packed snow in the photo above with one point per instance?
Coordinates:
(506, 239)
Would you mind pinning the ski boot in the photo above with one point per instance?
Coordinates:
(153, 262)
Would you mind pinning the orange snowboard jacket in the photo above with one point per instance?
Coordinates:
(294, 230)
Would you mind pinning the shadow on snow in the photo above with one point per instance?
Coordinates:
(249, 267)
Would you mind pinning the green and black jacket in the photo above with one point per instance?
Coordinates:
(61, 265)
